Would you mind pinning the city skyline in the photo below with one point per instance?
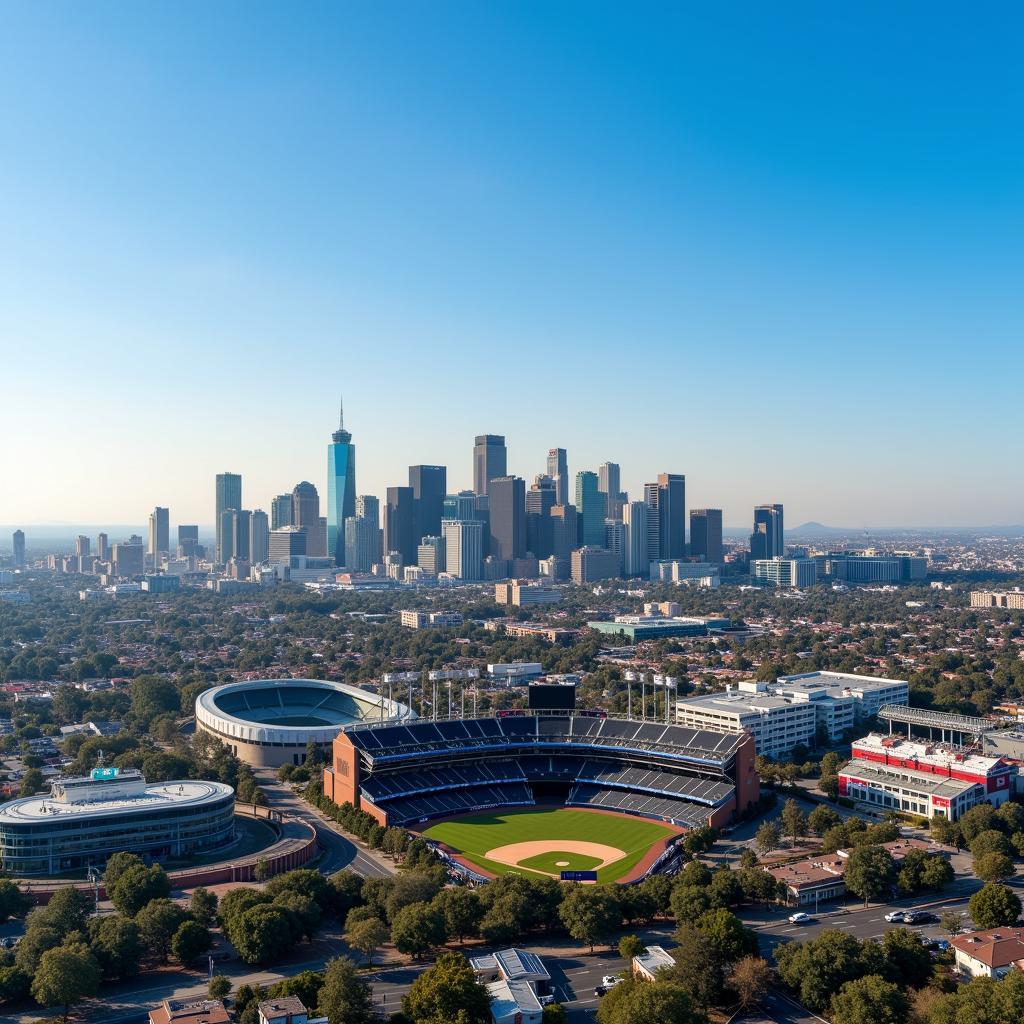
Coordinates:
(728, 248)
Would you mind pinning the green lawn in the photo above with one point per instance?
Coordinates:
(474, 837)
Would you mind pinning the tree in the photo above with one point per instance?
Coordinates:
(32, 782)
(869, 1000)
(991, 841)
(158, 920)
(690, 901)
(346, 892)
(117, 865)
(748, 859)
(758, 886)
(907, 962)
(994, 906)
(697, 968)
(643, 1002)
(13, 902)
(630, 946)
(461, 909)
(937, 873)
(590, 913)
(14, 984)
(115, 942)
(203, 906)
(730, 939)
(265, 933)
(417, 928)
(306, 985)
(367, 936)
(750, 980)
(980, 818)
(554, 1013)
(67, 911)
(37, 940)
(448, 991)
(817, 968)
(822, 818)
(65, 975)
(189, 941)
(993, 867)
(869, 872)
(794, 821)
(219, 987)
(829, 786)
(768, 837)
(952, 922)
(138, 885)
(344, 996)
(305, 909)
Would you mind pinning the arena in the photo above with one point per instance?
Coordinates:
(270, 722)
(563, 792)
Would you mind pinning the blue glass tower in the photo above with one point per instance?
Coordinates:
(341, 488)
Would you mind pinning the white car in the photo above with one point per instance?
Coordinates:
(800, 918)
(895, 916)
(611, 980)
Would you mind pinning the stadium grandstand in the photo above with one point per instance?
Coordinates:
(412, 772)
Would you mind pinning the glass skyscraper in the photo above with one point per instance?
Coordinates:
(341, 489)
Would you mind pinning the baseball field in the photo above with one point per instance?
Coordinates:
(547, 842)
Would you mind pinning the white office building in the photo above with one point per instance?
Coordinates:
(866, 694)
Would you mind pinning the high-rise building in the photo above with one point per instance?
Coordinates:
(594, 563)
(341, 489)
(430, 555)
(288, 541)
(305, 505)
(103, 547)
(229, 496)
(490, 460)
(400, 524)
(368, 511)
(240, 530)
(766, 541)
(461, 506)
(672, 515)
(18, 539)
(507, 501)
(128, 558)
(188, 541)
(82, 545)
(590, 510)
(558, 470)
(608, 483)
(540, 499)
(159, 531)
(259, 536)
(281, 511)
(564, 531)
(634, 516)
(429, 484)
(652, 497)
(464, 548)
(706, 534)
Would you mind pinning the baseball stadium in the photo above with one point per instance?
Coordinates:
(270, 722)
(545, 793)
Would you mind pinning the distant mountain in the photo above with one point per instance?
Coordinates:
(820, 530)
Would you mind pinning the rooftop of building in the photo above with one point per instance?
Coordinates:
(838, 680)
(281, 1006)
(653, 958)
(809, 873)
(509, 998)
(941, 755)
(924, 782)
(190, 1011)
(994, 947)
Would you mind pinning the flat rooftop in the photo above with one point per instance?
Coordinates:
(838, 680)
(180, 794)
(937, 755)
(738, 703)
(922, 782)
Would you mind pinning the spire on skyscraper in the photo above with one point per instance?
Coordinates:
(341, 435)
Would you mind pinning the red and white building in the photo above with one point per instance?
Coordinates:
(934, 780)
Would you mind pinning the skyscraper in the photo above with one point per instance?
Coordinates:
(564, 532)
(82, 545)
(103, 547)
(240, 531)
(652, 497)
(259, 536)
(558, 470)
(159, 531)
(506, 498)
(608, 480)
(461, 506)
(490, 460)
(634, 517)
(229, 496)
(672, 515)
(767, 539)
(590, 510)
(430, 555)
(286, 542)
(18, 539)
(368, 513)
(341, 488)
(128, 558)
(429, 484)
(706, 534)
(540, 499)
(281, 511)
(188, 541)
(463, 546)
(399, 524)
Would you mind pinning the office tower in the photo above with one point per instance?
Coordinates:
(399, 524)
(672, 515)
(362, 542)
(18, 539)
(286, 542)
(461, 506)
(188, 541)
(229, 496)
(590, 510)
(608, 483)
(634, 517)
(615, 535)
(590, 564)
(82, 545)
(706, 534)
(767, 539)
(490, 460)
(464, 548)
(540, 499)
(368, 509)
(341, 489)
(241, 519)
(564, 531)
(305, 506)
(103, 547)
(281, 511)
(651, 500)
(558, 470)
(128, 558)
(428, 484)
(259, 536)
(430, 555)
(506, 499)
(159, 532)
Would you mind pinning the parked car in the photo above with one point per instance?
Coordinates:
(895, 916)
(800, 918)
(919, 917)
(611, 980)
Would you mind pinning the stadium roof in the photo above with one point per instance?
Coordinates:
(935, 719)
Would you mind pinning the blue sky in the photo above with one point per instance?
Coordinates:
(776, 248)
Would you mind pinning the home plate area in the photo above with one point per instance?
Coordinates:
(553, 856)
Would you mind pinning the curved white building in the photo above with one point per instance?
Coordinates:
(270, 722)
(84, 820)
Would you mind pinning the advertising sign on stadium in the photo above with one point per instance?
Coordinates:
(579, 876)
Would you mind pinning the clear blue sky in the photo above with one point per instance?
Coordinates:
(775, 247)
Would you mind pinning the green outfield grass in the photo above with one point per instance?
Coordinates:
(476, 836)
